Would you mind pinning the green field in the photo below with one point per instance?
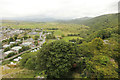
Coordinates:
(62, 28)
(70, 38)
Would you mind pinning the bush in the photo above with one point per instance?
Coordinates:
(6, 49)
(50, 36)
(24, 48)
(28, 61)
(15, 44)
(10, 55)
(36, 37)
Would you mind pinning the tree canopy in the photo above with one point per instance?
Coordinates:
(56, 58)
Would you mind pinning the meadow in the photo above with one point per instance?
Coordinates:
(62, 28)
(67, 38)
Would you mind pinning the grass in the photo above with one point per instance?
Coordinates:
(0, 72)
(51, 40)
(62, 28)
(18, 73)
(67, 38)
(58, 33)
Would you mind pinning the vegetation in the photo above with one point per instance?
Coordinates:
(24, 48)
(36, 37)
(50, 36)
(89, 56)
(55, 58)
(28, 61)
(10, 54)
(6, 49)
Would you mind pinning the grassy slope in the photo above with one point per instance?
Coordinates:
(103, 21)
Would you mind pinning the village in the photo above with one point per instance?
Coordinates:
(17, 41)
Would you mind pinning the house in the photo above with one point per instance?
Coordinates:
(11, 63)
(32, 33)
(8, 52)
(16, 59)
(30, 40)
(105, 41)
(26, 43)
(18, 40)
(12, 43)
(5, 46)
(16, 48)
(19, 57)
(1, 53)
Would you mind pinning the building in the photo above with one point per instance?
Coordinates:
(106, 41)
(18, 40)
(30, 40)
(5, 46)
(16, 48)
(32, 33)
(11, 63)
(27, 43)
(8, 52)
(17, 59)
(12, 43)
(1, 53)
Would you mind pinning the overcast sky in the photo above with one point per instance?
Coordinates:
(58, 9)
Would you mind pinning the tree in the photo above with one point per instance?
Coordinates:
(25, 36)
(10, 54)
(101, 66)
(15, 36)
(56, 58)
(31, 63)
(28, 61)
(50, 36)
(15, 44)
(24, 48)
(10, 40)
(36, 37)
(98, 43)
(6, 49)
(36, 43)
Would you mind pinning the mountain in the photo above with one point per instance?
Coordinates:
(75, 21)
(32, 19)
(103, 21)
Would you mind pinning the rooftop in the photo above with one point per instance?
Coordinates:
(16, 48)
(8, 52)
(6, 45)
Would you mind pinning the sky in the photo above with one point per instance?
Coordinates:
(59, 9)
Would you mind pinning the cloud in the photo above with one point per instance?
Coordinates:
(56, 8)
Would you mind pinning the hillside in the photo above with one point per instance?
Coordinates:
(100, 22)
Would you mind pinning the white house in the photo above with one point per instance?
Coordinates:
(16, 59)
(18, 40)
(26, 43)
(12, 63)
(16, 48)
(106, 41)
(5, 46)
(19, 57)
(8, 52)
(12, 43)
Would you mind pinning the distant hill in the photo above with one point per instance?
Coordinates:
(75, 21)
(32, 19)
(103, 21)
